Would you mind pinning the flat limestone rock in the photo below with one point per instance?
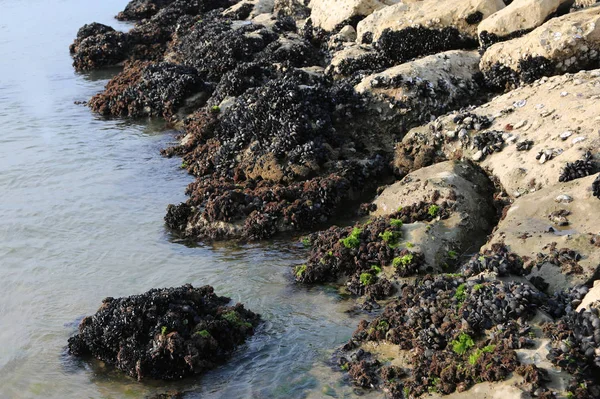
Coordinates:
(538, 129)
(472, 217)
(565, 44)
(433, 14)
(520, 15)
(528, 230)
(327, 14)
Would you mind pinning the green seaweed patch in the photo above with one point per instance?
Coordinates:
(462, 344)
(300, 270)
(474, 357)
(234, 318)
(461, 293)
(396, 223)
(203, 334)
(403, 261)
(305, 242)
(353, 240)
(367, 279)
(163, 330)
(433, 210)
(390, 237)
(376, 269)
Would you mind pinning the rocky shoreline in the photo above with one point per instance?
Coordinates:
(468, 127)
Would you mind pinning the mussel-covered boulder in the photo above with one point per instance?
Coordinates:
(428, 86)
(167, 333)
(145, 89)
(140, 9)
(97, 46)
(565, 44)
(422, 223)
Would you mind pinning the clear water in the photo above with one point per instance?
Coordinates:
(81, 207)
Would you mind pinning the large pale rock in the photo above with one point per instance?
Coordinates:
(528, 231)
(518, 16)
(557, 116)
(592, 298)
(565, 44)
(435, 70)
(470, 221)
(432, 14)
(427, 86)
(327, 14)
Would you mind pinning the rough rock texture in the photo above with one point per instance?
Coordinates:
(427, 86)
(432, 15)
(472, 216)
(328, 14)
(98, 46)
(165, 333)
(565, 44)
(525, 138)
(517, 18)
(140, 9)
(555, 235)
(144, 89)
(422, 223)
(453, 332)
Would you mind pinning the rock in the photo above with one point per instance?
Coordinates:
(596, 187)
(327, 14)
(291, 8)
(516, 19)
(519, 168)
(427, 86)
(433, 15)
(593, 296)
(144, 89)
(98, 46)
(565, 44)
(167, 333)
(471, 218)
(563, 256)
(139, 9)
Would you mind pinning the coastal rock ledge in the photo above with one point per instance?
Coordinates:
(166, 334)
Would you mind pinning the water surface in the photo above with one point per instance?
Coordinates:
(81, 207)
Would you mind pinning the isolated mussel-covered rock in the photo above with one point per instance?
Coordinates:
(166, 334)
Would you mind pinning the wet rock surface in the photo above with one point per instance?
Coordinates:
(165, 333)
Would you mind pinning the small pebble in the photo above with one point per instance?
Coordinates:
(564, 199)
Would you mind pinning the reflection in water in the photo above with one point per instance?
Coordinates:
(82, 202)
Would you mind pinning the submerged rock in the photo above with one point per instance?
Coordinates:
(166, 334)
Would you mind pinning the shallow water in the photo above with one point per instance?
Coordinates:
(81, 207)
